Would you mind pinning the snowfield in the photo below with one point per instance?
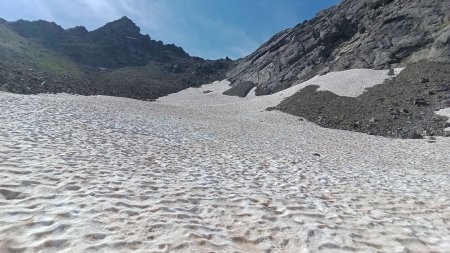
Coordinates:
(204, 172)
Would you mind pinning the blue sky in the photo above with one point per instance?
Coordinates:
(209, 29)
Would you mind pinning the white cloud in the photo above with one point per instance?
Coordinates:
(102, 8)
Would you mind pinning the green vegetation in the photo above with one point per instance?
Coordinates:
(28, 54)
(41, 57)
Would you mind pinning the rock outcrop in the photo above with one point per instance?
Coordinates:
(354, 34)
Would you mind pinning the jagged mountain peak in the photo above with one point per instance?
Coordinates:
(121, 26)
(78, 31)
(124, 19)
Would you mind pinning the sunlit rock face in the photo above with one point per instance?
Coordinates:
(354, 34)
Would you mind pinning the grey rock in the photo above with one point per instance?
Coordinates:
(424, 80)
(354, 34)
(240, 90)
(391, 72)
(421, 102)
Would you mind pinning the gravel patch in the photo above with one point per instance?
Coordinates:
(402, 106)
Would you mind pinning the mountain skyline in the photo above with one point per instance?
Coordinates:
(330, 134)
(208, 29)
(378, 34)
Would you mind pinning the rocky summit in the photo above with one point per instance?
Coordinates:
(115, 60)
(354, 34)
(116, 44)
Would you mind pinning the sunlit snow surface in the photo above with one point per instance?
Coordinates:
(196, 172)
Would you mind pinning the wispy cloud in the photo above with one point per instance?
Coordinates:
(101, 8)
(232, 34)
(32, 8)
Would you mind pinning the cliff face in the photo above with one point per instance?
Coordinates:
(354, 34)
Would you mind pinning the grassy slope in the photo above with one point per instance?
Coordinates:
(19, 51)
(28, 67)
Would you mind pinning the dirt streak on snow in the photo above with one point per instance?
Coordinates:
(196, 172)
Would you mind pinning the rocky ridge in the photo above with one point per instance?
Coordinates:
(114, 60)
(116, 44)
(354, 34)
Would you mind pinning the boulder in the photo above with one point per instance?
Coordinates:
(240, 90)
